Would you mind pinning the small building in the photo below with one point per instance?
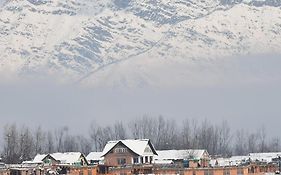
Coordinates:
(184, 158)
(45, 159)
(69, 158)
(95, 158)
(128, 152)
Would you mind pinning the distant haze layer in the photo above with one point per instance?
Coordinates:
(241, 100)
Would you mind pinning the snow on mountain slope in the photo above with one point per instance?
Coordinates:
(206, 44)
(71, 39)
(238, 31)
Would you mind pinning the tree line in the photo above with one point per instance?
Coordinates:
(21, 143)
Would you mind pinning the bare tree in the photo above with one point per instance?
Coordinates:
(94, 136)
(274, 145)
(26, 145)
(50, 143)
(119, 131)
(144, 127)
(186, 135)
(262, 140)
(10, 153)
(20, 145)
(224, 139)
(252, 143)
(85, 145)
(40, 141)
(70, 144)
(195, 134)
(240, 145)
(59, 136)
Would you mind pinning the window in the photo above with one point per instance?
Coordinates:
(120, 150)
(136, 160)
(47, 161)
(121, 161)
(146, 159)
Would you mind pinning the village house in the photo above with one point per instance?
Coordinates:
(183, 158)
(69, 158)
(95, 158)
(45, 159)
(128, 152)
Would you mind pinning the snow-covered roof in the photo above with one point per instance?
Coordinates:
(264, 157)
(238, 160)
(94, 156)
(137, 146)
(39, 158)
(231, 161)
(67, 158)
(180, 154)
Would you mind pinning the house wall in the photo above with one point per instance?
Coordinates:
(202, 163)
(111, 159)
(216, 171)
(193, 164)
(154, 169)
(84, 171)
(4, 172)
(205, 162)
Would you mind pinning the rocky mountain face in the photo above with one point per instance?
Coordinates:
(77, 38)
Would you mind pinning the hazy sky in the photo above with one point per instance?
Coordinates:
(1, 2)
(244, 105)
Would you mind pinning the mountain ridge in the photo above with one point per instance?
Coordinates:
(58, 36)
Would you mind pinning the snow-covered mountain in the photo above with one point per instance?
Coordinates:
(82, 39)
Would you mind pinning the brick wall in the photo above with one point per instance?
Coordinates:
(111, 159)
(4, 172)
